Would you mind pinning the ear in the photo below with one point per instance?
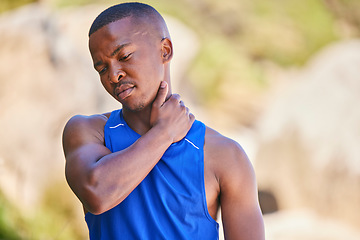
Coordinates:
(166, 50)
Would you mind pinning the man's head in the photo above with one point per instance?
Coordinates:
(131, 9)
(131, 49)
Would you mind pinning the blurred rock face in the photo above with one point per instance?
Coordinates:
(46, 77)
(309, 154)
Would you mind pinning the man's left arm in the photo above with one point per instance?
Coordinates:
(241, 214)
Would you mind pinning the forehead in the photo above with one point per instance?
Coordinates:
(125, 26)
(126, 30)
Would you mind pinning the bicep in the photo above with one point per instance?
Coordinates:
(83, 147)
(241, 214)
(81, 161)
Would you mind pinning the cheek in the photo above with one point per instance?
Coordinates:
(149, 74)
(155, 65)
(157, 73)
(103, 83)
(106, 85)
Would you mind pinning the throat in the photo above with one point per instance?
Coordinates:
(139, 121)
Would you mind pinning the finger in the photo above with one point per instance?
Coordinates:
(161, 95)
(192, 118)
(175, 98)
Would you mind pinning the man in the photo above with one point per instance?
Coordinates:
(149, 170)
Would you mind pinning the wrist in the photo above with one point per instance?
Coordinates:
(162, 134)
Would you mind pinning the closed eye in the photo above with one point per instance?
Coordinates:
(125, 57)
(101, 71)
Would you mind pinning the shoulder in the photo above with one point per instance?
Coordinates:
(81, 128)
(217, 145)
(227, 158)
(87, 121)
(81, 122)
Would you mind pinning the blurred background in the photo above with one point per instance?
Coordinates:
(280, 77)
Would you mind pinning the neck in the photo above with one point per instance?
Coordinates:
(138, 121)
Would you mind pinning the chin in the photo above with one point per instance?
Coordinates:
(136, 108)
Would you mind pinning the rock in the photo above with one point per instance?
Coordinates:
(309, 136)
(303, 224)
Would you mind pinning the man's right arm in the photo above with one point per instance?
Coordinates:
(102, 179)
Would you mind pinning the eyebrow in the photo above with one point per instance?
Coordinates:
(118, 49)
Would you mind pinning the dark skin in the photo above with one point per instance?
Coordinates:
(133, 63)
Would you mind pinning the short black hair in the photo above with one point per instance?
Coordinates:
(120, 11)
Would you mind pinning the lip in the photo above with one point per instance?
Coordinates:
(124, 91)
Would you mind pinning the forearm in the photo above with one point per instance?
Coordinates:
(114, 176)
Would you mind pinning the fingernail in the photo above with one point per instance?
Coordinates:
(163, 84)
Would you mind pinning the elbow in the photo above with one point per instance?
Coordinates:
(95, 196)
(93, 200)
(89, 189)
(95, 208)
(100, 202)
(86, 190)
(94, 203)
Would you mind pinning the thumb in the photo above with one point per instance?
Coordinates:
(161, 95)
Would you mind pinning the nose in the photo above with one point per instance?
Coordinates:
(116, 75)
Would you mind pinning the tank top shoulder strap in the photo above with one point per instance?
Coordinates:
(114, 119)
(196, 135)
(112, 128)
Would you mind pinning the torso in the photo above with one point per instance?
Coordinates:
(212, 138)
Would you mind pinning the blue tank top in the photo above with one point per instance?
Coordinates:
(169, 203)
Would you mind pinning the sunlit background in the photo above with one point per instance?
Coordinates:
(280, 77)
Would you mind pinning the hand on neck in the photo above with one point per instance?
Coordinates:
(141, 120)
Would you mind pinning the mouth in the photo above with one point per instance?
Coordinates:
(124, 91)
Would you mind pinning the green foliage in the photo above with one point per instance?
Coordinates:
(288, 32)
(8, 220)
(66, 3)
(55, 218)
(6, 5)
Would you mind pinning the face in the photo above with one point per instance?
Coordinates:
(130, 61)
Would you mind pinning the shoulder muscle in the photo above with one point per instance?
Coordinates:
(230, 162)
(81, 130)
